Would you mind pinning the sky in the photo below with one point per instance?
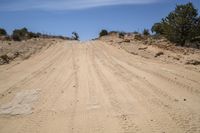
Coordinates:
(86, 17)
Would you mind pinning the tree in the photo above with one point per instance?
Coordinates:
(103, 33)
(3, 32)
(20, 34)
(146, 32)
(180, 25)
(75, 36)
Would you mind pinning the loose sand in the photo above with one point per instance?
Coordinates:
(93, 87)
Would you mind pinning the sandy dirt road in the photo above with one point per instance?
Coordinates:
(92, 87)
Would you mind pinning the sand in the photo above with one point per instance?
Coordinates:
(92, 87)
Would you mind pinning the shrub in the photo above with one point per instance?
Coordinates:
(146, 32)
(3, 32)
(4, 59)
(135, 32)
(20, 34)
(33, 35)
(103, 33)
(75, 36)
(138, 37)
(121, 35)
(181, 25)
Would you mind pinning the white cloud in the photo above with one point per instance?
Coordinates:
(15, 5)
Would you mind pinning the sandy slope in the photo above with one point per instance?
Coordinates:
(96, 88)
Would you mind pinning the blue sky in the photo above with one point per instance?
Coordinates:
(87, 17)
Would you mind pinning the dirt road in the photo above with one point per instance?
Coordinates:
(92, 87)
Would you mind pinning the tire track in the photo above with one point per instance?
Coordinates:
(182, 120)
(127, 124)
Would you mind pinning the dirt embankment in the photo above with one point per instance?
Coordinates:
(156, 49)
(21, 50)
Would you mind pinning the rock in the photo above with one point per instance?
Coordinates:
(127, 40)
(134, 53)
(12, 56)
(159, 54)
(176, 58)
(146, 42)
(192, 62)
(142, 48)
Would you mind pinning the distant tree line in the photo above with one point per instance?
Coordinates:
(24, 34)
(122, 34)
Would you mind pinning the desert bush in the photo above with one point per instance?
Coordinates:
(121, 35)
(33, 35)
(3, 32)
(4, 59)
(20, 34)
(75, 36)
(103, 33)
(138, 37)
(146, 32)
(181, 25)
(135, 32)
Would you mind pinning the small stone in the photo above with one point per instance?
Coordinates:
(176, 100)
(159, 54)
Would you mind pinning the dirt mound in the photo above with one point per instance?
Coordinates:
(11, 50)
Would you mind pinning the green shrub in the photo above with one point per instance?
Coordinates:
(146, 32)
(3, 32)
(33, 35)
(135, 32)
(121, 35)
(139, 37)
(75, 36)
(20, 34)
(103, 33)
(4, 59)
